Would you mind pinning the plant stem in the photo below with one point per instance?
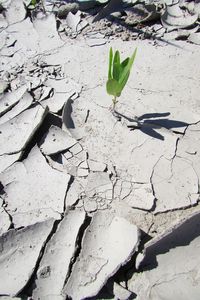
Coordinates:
(114, 102)
(43, 6)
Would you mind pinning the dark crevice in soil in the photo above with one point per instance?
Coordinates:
(68, 187)
(1, 189)
(48, 120)
(79, 239)
(9, 108)
(10, 218)
(126, 272)
(177, 209)
(28, 289)
(87, 116)
(4, 207)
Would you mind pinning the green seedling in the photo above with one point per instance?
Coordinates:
(118, 74)
(33, 3)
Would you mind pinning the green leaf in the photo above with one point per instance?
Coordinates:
(116, 66)
(118, 73)
(110, 64)
(127, 68)
(113, 87)
(123, 83)
(125, 62)
(33, 2)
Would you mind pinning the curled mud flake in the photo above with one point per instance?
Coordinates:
(56, 140)
(96, 262)
(161, 269)
(5, 221)
(16, 11)
(90, 204)
(96, 166)
(174, 17)
(58, 256)
(23, 104)
(35, 186)
(10, 99)
(75, 192)
(48, 35)
(7, 160)
(73, 20)
(24, 126)
(15, 274)
(179, 179)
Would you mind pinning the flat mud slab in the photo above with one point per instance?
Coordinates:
(96, 203)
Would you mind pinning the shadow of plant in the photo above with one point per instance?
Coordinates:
(150, 122)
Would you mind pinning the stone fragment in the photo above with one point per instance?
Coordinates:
(99, 183)
(68, 122)
(76, 149)
(181, 33)
(45, 92)
(56, 102)
(27, 41)
(90, 204)
(15, 12)
(6, 160)
(4, 219)
(141, 13)
(98, 191)
(23, 126)
(179, 179)
(134, 194)
(82, 172)
(96, 166)
(33, 190)
(170, 267)
(10, 99)
(95, 39)
(83, 164)
(56, 140)
(64, 9)
(73, 20)
(120, 292)
(73, 161)
(54, 266)
(67, 155)
(174, 17)
(113, 5)
(3, 86)
(64, 89)
(64, 85)
(74, 192)
(81, 25)
(96, 262)
(19, 253)
(24, 103)
(48, 35)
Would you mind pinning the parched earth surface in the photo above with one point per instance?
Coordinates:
(96, 203)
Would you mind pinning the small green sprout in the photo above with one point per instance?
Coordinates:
(33, 3)
(118, 74)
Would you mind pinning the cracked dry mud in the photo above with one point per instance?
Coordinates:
(90, 205)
